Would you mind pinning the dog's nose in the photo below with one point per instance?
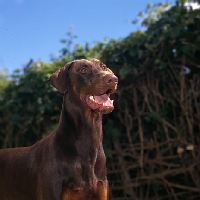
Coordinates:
(110, 79)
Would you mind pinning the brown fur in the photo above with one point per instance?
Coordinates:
(69, 164)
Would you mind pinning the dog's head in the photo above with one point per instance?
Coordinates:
(89, 81)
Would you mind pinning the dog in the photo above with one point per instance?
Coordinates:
(70, 163)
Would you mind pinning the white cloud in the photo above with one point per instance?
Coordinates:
(187, 4)
(193, 5)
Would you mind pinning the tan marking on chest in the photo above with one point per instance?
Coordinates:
(102, 192)
(72, 194)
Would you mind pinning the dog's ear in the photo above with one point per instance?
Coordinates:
(60, 78)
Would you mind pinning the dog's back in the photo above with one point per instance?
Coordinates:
(14, 179)
(21, 171)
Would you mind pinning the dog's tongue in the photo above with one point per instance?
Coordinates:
(103, 99)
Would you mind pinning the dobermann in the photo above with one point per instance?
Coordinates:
(70, 163)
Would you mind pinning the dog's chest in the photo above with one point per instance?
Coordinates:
(88, 147)
(84, 172)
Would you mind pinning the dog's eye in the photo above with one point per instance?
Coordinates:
(104, 67)
(83, 70)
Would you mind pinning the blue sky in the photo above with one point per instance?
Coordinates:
(32, 29)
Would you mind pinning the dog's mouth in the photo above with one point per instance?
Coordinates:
(101, 102)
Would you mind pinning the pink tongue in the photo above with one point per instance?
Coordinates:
(101, 99)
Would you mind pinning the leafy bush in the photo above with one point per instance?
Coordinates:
(157, 109)
(152, 137)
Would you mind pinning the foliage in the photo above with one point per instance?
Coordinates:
(26, 107)
(157, 108)
(3, 83)
(152, 137)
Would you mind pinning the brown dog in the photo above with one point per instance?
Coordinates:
(69, 164)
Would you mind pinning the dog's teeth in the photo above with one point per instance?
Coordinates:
(91, 98)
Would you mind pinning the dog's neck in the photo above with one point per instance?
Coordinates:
(78, 121)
